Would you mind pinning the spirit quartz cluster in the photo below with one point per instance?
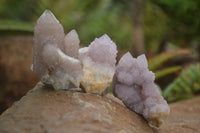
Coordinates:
(55, 56)
(134, 84)
(98, 64)
(59, 62)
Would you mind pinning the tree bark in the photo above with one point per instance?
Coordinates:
(137, 17)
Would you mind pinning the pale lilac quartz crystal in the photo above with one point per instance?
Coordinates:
(134, 84)
(55, 59)
(98, 64)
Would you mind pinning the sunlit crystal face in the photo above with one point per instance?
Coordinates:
(103, 50)
(134, 84)
(55, 59)
(71, 46)
(49, 30)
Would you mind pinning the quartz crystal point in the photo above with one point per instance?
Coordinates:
(98, 64)
(55, 59)
(134, 84)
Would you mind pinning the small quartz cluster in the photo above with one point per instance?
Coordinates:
(134, 84)
(55, 59)
(59, 62)
(98, 64)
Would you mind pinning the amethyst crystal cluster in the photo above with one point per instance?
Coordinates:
(59, 62)
(55, 59)
(98, 64)
(134, 84)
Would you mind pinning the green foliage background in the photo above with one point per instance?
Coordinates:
(179, 20)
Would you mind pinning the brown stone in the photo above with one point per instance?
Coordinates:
(16, 55)
(44, 110)
(184, 118)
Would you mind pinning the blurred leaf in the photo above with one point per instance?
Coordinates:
(16, 25)
(185, 85)
(167, 71)
(160, 59)
(9, 27)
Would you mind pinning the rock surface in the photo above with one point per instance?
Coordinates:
(184, 117)
(16, 78)
(44, 110)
